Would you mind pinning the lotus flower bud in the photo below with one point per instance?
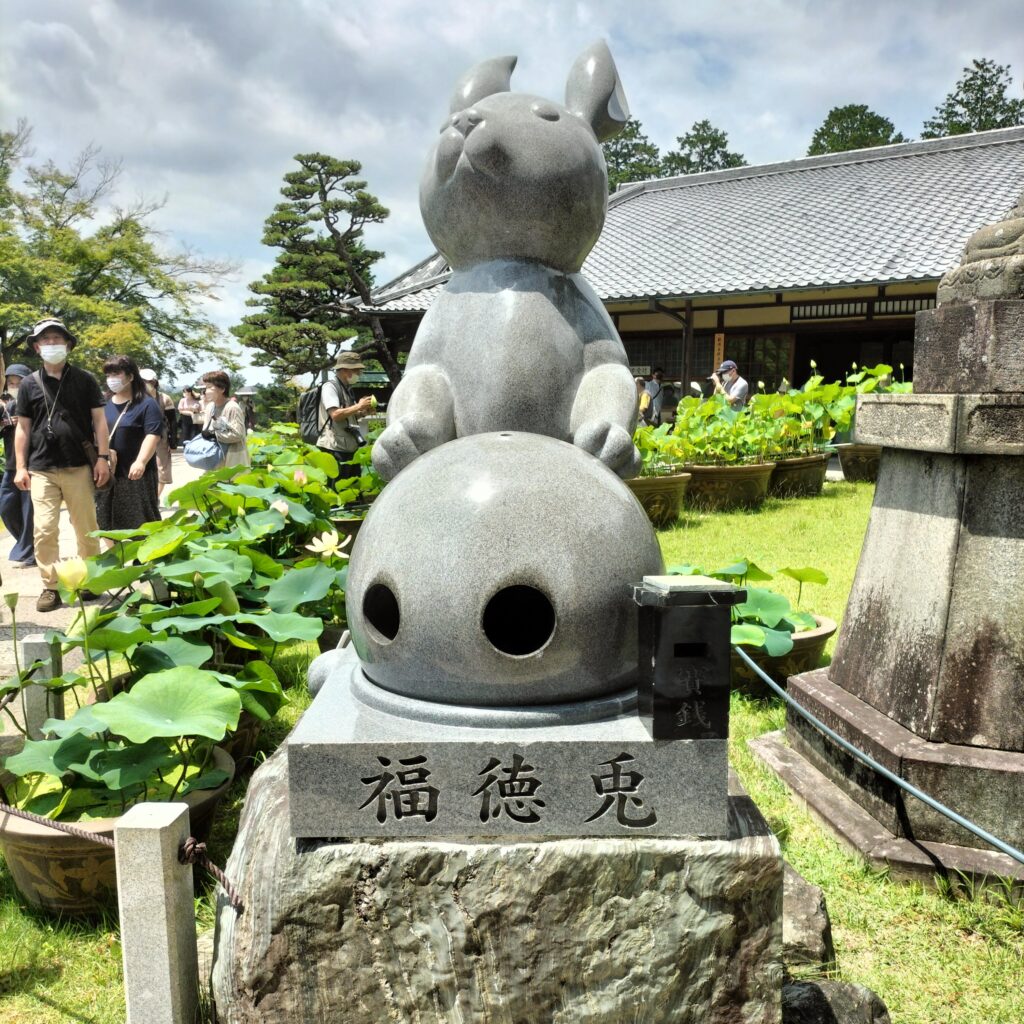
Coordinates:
(11, 599)
(72, 573)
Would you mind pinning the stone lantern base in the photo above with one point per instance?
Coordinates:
(888, 827)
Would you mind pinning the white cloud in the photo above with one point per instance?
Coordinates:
(208, 102)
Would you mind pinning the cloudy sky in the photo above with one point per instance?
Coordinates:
(206, 101)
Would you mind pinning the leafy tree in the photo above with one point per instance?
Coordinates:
(853, 127)
(68, 250)
(978, 103)
(703, 148)
(631, 156)
(307, 305)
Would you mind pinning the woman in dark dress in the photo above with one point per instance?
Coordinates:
(136, 424)
(15, 505)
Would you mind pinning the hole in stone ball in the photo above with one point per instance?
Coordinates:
(505, 433)
(380, 606)
(519, 620)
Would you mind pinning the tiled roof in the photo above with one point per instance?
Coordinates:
(871, 216)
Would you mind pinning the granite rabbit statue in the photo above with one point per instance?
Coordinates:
(514, 195)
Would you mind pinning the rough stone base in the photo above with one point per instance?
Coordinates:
(832, 1002)
(571, 931)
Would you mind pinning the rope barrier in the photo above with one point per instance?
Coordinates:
(60, 826)
(868, 760)
(192, 851)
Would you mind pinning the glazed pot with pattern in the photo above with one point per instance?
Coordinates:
(860, 462)
(808, 647)
(76, 877)
(719, 488)
(800, 477)
(661, 496)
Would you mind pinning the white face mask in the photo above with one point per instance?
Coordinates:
(53, 354)
(13, 390)
(116, 384)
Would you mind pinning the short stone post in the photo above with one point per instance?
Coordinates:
(158, 930)
(38, 703)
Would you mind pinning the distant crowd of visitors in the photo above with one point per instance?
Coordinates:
(657, 398)
(105, 456)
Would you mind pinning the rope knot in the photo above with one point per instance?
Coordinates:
(192, 852)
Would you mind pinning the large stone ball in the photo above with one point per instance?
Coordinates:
(496, 570)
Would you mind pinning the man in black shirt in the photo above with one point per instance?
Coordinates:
(60, 411)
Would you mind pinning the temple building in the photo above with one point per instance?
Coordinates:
(825, 258)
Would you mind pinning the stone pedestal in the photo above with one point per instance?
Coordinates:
(367, 762)
(571, 931)
(928, 673)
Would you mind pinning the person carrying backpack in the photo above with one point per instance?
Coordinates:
(656, 390)
(339, 411)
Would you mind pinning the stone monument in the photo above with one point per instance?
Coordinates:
(928, 674)
(509, 799)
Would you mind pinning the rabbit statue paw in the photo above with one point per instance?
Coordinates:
(610, 443)
(402, 442)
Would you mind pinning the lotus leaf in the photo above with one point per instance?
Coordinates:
(123, 766)
(83, 721)
(158, 655)
(766, 606)
(120, 634)
(805, 575)
(282, 626)
(299, 586)
(176, 702)
(226, 566)
(35, 756)
(156, 612)
(162, 543)
(208, 780)
(101, 579)
(744, 633)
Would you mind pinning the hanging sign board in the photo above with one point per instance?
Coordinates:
(719, 350)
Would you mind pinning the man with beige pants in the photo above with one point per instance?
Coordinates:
(60, 413)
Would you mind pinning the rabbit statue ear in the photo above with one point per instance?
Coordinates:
(595, 93)
(483, 79)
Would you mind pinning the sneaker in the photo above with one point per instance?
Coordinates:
(49, 601)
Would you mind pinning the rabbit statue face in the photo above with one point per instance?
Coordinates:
(519, 177)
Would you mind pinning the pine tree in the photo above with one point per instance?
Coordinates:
(308, 303)
(631, 156)
(703, 148)
(978, 103)
(853, 127)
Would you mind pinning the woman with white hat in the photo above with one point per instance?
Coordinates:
(163, 447)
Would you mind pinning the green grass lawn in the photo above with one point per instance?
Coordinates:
(934, 957)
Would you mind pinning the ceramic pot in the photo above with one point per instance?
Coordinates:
(76, 877)
(808, 647)
(661, 496)
(329, 639)
(860, 461)
(241, 744)
(718, 488)
(800, 477)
